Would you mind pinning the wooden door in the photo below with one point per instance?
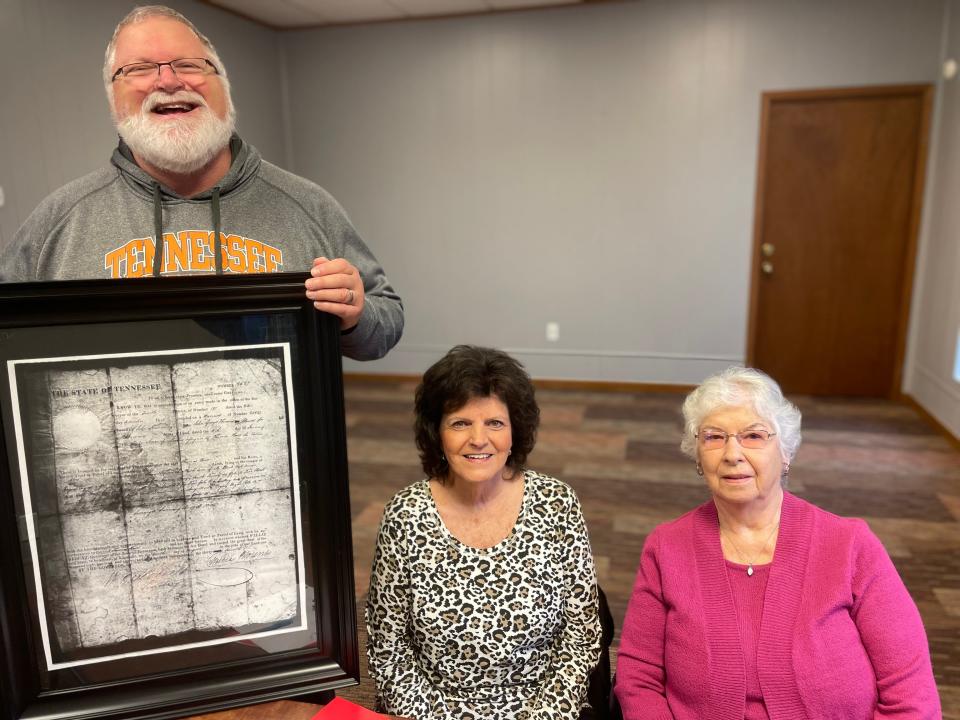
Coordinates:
(839, 189)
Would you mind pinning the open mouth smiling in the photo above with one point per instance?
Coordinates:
(174, 108)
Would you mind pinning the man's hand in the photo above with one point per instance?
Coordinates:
(335, 286)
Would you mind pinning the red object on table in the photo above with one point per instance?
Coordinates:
(340, 709)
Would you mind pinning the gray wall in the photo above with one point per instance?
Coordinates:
(54, 121)
(593, 166)
(935, 322)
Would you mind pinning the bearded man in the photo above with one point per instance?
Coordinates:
(185, 194)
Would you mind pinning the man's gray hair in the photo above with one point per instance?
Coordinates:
(144, 12)
(742, 387)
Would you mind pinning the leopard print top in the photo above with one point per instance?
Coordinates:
(509, 632)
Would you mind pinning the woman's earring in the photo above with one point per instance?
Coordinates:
(699, 469)
(786, 469)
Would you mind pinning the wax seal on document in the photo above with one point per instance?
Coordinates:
(76, 429)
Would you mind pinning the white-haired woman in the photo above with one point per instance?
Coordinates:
(758, 605)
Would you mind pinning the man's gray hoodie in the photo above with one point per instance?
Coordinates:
(104, 225)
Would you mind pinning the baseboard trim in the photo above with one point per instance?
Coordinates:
(930, 419)
(612, 386)
(566, 364)
(616, 387)
(540, 383)
(383, 378)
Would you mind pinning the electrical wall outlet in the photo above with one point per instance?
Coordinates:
(553, 331)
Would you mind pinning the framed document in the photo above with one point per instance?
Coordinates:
(174, 510)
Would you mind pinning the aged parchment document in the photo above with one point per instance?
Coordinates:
(164, 498)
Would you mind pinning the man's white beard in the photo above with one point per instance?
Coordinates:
(178, 145)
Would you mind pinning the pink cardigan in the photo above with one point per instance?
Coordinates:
(840, 636)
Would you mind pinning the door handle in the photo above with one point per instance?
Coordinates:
(767, 249)
(766, 267)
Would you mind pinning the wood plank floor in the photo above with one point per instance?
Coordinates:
(869, 458)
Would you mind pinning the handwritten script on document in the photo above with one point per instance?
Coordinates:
(163, 497)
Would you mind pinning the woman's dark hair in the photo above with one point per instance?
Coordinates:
(468, 372)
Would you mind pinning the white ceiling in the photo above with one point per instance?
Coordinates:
(289, 14)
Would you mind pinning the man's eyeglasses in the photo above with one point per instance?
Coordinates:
(750, 439)
(184, 67)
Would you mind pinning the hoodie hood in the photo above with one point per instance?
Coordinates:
(245, 161)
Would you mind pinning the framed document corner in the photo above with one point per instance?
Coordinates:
(174, 506)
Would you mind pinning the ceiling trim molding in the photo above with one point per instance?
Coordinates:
(412, 18)
(237, 13)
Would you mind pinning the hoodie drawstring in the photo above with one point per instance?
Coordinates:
(215, 212)
(158, 230)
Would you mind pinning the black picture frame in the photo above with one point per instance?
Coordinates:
(74, 321)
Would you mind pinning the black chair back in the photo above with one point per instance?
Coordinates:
(600, 684)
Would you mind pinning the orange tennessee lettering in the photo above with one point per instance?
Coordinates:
(176, 252)
(193, 251)
(224, 251)
(112, 262)
(201, 254)
(232, 253)
(273, 258)
(140, 256)
(256, 261)
(132, 259)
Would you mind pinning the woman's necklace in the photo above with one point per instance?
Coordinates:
(749, 562)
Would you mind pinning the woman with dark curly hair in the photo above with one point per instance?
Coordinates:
(483, 595)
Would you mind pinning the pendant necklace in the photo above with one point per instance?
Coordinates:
(749, 562)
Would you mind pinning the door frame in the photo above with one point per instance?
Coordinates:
(768, 99)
